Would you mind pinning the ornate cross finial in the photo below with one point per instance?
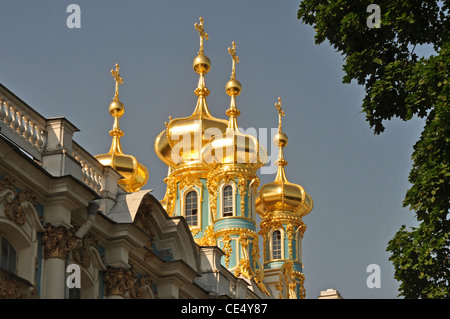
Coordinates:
(202, 33)
(280, 113)
(118, 79)
(235, 59)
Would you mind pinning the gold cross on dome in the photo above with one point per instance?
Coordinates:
(235, 59)
(202, 33)
(118, 79)
(280, 113)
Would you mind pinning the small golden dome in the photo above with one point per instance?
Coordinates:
(281, 196)
(201, 64)
(233, 87)
(116, 108)
(135, 175)
(280, 140)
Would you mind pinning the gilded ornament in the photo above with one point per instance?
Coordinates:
(209, 238)
(118, 281)
(58, 241)
(142, 288)
(81, 253)
(227, 249)
(203, 35)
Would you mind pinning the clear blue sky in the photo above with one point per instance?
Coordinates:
(356, 179)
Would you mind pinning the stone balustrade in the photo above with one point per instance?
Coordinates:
(91, 168)
(23, 126)
(40, 138)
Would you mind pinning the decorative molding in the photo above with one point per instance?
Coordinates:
(82, 254)
(142, 218)
(289, 281)
(15, 287)
(123, 281)
(142, 288)
(58, 241)
(209, 238)
(118, 281)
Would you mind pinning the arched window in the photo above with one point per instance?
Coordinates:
(276, 245)
(227, 195)
(191, 208)
(8, 255)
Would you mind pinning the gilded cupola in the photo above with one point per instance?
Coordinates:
(234, 147)
(183, 139)
(281, 195)
(135, 175)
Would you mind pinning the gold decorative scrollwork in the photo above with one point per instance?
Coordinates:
(227, 249)
(289, 281)
(242, 183)
(188, 180)
(118, 281)
(208, 239)
(58, 241)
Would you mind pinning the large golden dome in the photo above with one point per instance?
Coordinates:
(135, 175)
(184, 138)
(234, 147)
(281, 195)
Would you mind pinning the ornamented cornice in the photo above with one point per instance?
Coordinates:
(58, 241)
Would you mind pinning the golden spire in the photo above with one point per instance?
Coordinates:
(201, 63)
(233, 89)
(280, 141)
(135, 174)
(202, 33)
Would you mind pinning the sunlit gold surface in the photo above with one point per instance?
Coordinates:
(135, 175)
(281, 195)
(233, 147)
(183, 139)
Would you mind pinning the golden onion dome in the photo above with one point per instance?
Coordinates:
(135, 175)
(281, 195)
(234, 147)
(184, 138)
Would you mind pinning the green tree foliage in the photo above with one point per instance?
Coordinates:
(399, 83)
